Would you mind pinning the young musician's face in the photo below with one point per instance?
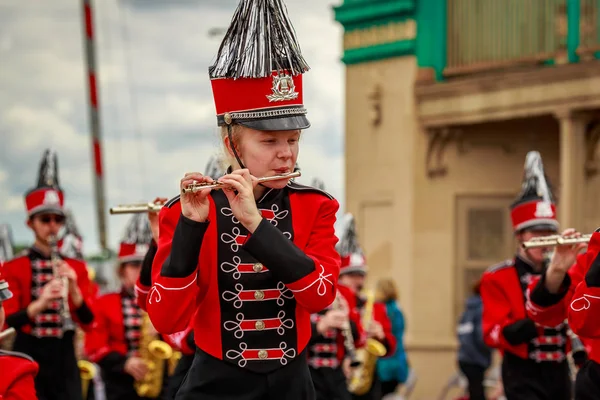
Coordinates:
(354, 281)
(130, 273)
(268, 153)
(46, 224)
(536, 254)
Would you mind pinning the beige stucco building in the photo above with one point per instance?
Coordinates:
(433, 164)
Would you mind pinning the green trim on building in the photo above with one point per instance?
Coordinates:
(379, 52)
(362, 17)
(357, 13)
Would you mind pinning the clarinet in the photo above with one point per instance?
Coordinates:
(65, 312)
(346, 332)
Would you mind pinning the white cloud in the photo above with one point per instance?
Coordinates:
(156, 105)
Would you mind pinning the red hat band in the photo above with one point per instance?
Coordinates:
(248, 98)
(354, 262)
(45, 200)
(129, 252)
(532, 213)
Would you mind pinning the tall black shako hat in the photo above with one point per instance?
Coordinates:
(136, 239)
(47, 196)
(535, 208)
(257, 75)
(349, 248)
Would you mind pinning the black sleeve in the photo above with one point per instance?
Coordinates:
(185, 248)
(18, 319)
(519, 332)
(542, 297)
(146, 272)
(84, 314)
(283, 258)
(113, 362)
(592, 278)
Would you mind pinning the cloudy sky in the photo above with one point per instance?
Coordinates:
(156, 106)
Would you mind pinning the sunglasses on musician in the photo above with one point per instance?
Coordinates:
(47, 218)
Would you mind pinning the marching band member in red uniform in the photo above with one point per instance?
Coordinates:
(250, 262)
(353, 273)
(18, 369)
(328, 357)
(35, 309)
(568, 290)
(114, 342)
(534, 364)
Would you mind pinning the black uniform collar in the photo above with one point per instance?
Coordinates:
(525, 266)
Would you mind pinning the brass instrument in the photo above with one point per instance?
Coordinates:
(362, 377)
(196, 187)
(65, 312)
(155, 353)
(7, 333)
(173, 361)
(135, 208)
(87, 370)
(346, 332)
(576, 346)
(555, 240)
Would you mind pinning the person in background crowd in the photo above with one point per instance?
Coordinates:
(474, 356)
(51, 292)
(114, 343)
(534, 363)
(392, 370)
(353, 273)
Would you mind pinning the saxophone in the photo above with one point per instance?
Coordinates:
(154, 352)
(362, 377)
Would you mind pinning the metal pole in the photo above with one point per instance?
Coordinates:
(93, 100)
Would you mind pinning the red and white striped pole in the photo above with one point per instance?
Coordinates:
(93, 99)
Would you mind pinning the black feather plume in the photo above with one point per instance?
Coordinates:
(535, 182)
(348, 239)
(318, 183)
(6, 243)
(138, 230)
(215, 167)
(260, 40)
(48, 174)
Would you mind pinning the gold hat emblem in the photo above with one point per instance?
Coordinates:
(283, 88)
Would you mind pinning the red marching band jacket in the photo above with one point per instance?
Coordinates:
(17, 377)
(504, 303)
(252, 295)
(108, 334)
(576, 300)
(178, 340)
(380, 315)
(18, 274)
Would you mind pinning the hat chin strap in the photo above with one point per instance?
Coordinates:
(231, 144)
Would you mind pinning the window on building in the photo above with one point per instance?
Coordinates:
(484, 237)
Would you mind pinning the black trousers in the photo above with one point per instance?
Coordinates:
(474, 374)
(183, 366)
(58, 377)
(330, 383)
(587, 383)
(212, 379)
(530, 380)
